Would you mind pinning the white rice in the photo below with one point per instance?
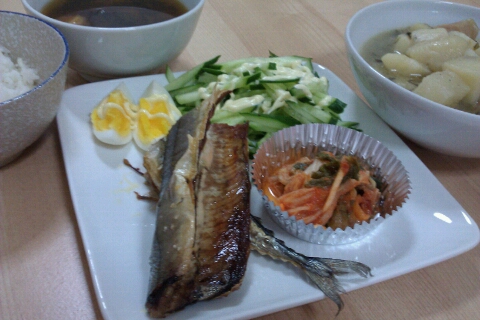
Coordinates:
(15, 78)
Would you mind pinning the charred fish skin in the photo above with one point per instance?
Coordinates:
(223, 211)
(321, 271)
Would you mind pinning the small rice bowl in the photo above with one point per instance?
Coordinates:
(25, 117)
(15, 78)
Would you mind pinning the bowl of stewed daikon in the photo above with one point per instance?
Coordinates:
(418, 67)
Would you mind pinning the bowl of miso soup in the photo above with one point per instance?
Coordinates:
(120, 38)
(417, 64)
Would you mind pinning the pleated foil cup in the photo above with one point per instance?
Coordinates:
(307, 140)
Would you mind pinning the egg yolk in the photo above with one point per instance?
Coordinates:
(154, 120)
(117, 97)
(152, 127)
(154, 106)
(112, 117)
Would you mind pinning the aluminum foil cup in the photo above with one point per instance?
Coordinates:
(307, 140)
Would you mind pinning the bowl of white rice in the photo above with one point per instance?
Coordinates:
(33, 69)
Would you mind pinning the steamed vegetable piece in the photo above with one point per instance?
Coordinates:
(269, 93)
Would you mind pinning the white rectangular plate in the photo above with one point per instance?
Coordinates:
(117, 229)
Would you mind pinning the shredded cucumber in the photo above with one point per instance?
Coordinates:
(269, 93)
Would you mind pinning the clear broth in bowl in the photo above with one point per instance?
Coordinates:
(114, 13)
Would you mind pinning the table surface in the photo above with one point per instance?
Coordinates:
(43, 267)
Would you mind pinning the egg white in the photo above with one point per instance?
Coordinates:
(112, 137)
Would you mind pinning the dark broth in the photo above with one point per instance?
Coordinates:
(114, 13)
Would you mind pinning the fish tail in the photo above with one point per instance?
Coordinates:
(321, 271)
(345, 266)
(329, 285)
(321, 274)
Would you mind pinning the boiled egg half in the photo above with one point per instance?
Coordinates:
(116, 119)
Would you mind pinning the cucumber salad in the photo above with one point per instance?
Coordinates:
(269, 93)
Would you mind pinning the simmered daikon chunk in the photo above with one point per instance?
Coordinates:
(444, 87)
(404, 65)
(468, 69)
(472, 43)
(418, 26)
(402, 43)
(428, 34)
(434, 53)
(471, 53)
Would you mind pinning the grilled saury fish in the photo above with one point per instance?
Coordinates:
(201, 243)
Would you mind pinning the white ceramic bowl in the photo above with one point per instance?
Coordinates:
(103, 53)
(25, 117)
(429, 124)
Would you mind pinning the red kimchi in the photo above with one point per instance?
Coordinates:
(327, 190)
